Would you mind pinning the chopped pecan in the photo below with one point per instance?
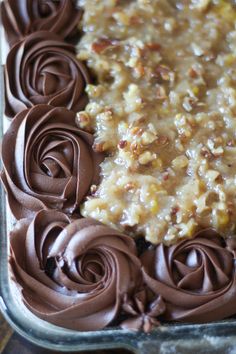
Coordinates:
(192, 73)
(99, 147)
(93, 189)
(153, 47)
(174, 211)
(129, 186)
(162, 140)
(161, 93)
(137, 131)
(165, 176)
(139, 68)
(135, 148)
(205, 152)
(165, 72)
(135, 20)
(102, 44)
(122, 144)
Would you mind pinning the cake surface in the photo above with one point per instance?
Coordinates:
(164, 109)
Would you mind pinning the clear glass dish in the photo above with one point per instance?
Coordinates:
(218, 337)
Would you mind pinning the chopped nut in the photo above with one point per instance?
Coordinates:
(216, 152)
(205, 152)
(93, 90)
(135, 20)
(212, 175)
(187, 229)
(174, 211)
(102, 44)
(180, 162)
(129, 186)
(93, 189)
(161, 93)
(108, 110)
(218, 140)
(83, 120)
(122, 144)
(139, 69)
(183, 126)
(133, 98)
(153, 47)
(135, 148)
(148, 138)
(165, 176)
(100, 147)
(105, 116)
(162, 140)
(165, 73)
(188, 103)
(192, 73)
(146, 157)
(136, 131)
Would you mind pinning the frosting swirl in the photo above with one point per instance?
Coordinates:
(73, 275)
(42, 69)
(142, 313)
(22, 17)
(48, 162)
(196, 278)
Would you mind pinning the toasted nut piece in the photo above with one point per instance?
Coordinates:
(83, 120)
(102, 44)
(180, 162)
(148, 138)
(146, 157)
(153, 47)
(122, 144)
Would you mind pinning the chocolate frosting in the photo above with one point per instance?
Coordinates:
(43, 69)
(22, 17)
(73, 274)
(196, 278)
(48, 162)
(142, 313)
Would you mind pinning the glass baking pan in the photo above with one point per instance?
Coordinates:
(218, 337)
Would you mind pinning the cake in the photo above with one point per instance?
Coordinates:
(119, 160)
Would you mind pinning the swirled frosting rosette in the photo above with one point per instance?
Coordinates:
(73, 274)
(48, 162)
(22, 17)
(43, 69)
(196, 278)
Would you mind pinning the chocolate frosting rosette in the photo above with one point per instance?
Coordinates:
(48, 162)
(22, 17)
(73, 274)
(43, 69)
(196, 278)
